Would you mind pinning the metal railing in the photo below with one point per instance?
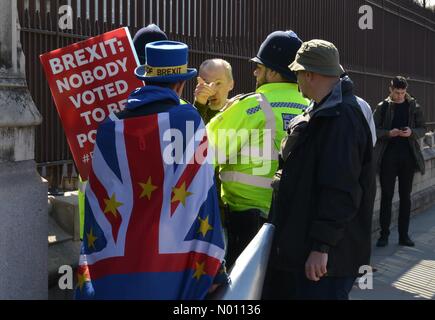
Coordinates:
(402, 42)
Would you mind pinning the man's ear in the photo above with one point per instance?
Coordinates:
(267, 73)
(178, 88)
(271, 75)
(309, 76)
(231, 85)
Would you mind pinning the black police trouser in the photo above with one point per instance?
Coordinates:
(242, 226)
(397, 161)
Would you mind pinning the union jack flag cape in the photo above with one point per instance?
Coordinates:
(152, 228)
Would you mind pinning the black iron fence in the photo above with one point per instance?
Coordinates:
(402, 41)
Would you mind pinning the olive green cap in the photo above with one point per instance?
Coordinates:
(318, 56)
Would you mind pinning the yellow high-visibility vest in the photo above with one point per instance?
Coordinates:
(240, 135)
(81, 198)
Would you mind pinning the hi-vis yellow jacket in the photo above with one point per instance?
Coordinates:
(246, 138)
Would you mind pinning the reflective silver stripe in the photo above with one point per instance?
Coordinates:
(113, 117)
(233, 176)
(249, 151)
(82, 186)
(270, 122)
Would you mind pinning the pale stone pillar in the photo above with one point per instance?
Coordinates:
(23, 193)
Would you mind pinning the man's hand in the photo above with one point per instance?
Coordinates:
(406, 133)
(395, 133)
(315, 267)
(204, 91)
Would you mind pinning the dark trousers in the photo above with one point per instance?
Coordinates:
(242, 226)
(397, 161)
(285, 285)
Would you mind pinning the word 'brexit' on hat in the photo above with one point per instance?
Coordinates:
(166, 62)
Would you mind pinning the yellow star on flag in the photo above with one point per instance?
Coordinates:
(180, 194)
(112, 205)
(204, 226)
(81, 280)
(91, 239)
(199, 270)
(147, 189)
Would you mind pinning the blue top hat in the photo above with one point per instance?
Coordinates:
(166, 62)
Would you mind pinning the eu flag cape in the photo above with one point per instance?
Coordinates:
(152, 225)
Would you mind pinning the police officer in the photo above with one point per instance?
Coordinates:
(247, 135)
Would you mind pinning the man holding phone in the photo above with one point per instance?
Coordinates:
(399, 125)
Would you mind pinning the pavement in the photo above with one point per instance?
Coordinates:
(403, 273)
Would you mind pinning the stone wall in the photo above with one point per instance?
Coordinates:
(23, 193)
(423, 189)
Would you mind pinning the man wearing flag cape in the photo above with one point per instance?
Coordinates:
(152, 225)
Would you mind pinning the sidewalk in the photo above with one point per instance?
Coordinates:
(404, 273)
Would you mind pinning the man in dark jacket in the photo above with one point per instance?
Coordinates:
(399, 124)
(323, 209)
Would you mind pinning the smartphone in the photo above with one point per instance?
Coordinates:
(403, 128)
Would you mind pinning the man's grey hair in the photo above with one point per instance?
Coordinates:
(218, 62)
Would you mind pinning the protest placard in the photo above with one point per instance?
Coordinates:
(88, 80)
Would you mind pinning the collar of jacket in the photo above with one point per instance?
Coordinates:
(408, 98)
(149, 94)
(328, 108)
(269, 87)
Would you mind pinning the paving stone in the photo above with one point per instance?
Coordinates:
(404, 273)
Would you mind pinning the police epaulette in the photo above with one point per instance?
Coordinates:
(185, 101)
(246, 95)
